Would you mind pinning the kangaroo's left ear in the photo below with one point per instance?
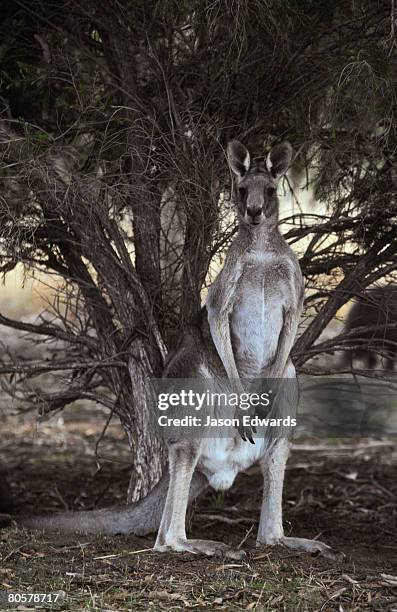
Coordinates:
(239, 158)
(279, 159)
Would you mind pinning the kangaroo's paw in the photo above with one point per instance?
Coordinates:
(312, 546)
(202, 547)
(246, 431)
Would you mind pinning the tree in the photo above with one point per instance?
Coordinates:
(115, 117)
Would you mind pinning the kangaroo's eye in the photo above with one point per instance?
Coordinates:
(271, 191)
(242, 192)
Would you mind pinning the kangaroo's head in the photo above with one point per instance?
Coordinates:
(256, 181)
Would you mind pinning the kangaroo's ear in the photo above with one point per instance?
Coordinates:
(278, 159)
(238, 157)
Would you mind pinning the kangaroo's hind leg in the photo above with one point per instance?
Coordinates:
(273, 468)
(183, 458)
(271, 522)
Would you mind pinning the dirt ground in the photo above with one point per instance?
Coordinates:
(343, 492)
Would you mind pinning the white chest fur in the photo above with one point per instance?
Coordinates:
(256, 318)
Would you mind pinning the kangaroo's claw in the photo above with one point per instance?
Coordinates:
(246, 431)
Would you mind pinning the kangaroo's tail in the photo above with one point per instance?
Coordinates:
(140, 518)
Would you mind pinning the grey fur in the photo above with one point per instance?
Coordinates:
(139, 519)
(246, 331)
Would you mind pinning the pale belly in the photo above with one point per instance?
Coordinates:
(256, 323)
(221, 459)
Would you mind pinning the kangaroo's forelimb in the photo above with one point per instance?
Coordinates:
(285, 341)
(219, 306)
(220, 332)
(140, 518)
(220, 303)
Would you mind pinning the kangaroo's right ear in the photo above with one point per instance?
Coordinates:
(278, 159)
(238, 157)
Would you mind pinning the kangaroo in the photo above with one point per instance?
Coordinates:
(244, 332)
(376, 310)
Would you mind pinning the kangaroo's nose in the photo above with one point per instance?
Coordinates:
(254, 212)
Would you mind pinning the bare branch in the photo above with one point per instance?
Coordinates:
(48, 330)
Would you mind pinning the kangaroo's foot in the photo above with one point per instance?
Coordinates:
(310, 546)
(313, 546)
(209, 548)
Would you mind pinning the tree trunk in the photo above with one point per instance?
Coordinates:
(147, 447)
